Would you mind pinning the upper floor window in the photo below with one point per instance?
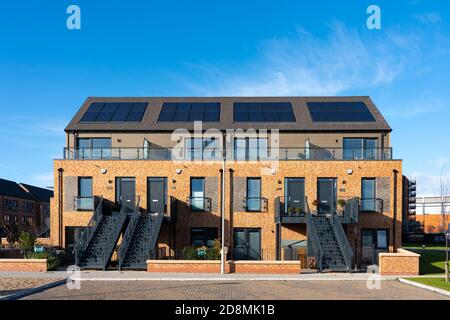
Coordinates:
(11, 205)
(27, 221)
(28, 206)
(250, 148)
(202, 148)
(360, 148)
(94, 148)
(368, 194)
(85, 200)
(197, 194)
(253, 200)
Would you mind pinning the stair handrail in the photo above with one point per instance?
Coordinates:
(87, 234)
(342, 239)
(128, 235)
(352, 209)
(153, 236)
(313, 238)
(111, 242)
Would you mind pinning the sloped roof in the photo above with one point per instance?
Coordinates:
(12, 189)
(40, 194)
(303, 121)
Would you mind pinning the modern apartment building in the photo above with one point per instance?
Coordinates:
(147, 177)
(26, 206)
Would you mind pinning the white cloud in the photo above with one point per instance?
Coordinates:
(428, 18)
(416, 108)
(42, 179)
(306, 65)
(429, 185)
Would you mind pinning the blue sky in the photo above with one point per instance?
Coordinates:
(192, 48)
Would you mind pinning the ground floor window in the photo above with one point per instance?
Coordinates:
(247, 244)
(373, 241)
(203, 236)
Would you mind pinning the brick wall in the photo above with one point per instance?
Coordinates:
(23, 265)
(402, 262)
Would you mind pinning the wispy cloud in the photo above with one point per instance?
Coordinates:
(427, 18)
(415, 108)
(307, 65)
(42, 179)
(429, 185)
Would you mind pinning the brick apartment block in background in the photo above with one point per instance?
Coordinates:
(24, 205)
(321, 182)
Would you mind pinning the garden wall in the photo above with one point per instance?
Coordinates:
(23, 265)
(403, 262)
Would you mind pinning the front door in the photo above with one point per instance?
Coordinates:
(294, 196)
(247, 244)
(126, 191)
(374, 241)
(156, 196)
(326, 195)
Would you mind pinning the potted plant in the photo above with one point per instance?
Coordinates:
(341, 204)
(298, 211)
(315, 204)
(290, 210)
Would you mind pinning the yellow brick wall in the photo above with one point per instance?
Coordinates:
(272, 187)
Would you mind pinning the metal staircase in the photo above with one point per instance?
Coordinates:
(139, 241)
(97, 242)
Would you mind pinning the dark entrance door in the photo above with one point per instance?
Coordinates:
(126, 191)
(326, 195)
(156, 195)
(247, 244)
(294, 195)
(374, 241)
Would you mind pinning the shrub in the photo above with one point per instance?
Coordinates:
(12, 233)
(52, 261)
(341, 203)
(189, 253)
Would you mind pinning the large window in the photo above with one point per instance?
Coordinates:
(203, 236)
(28, 207)
(11, 205)
(250, 149)
(197, 199)
(360, 148)
(368, 192)
(202, 149)
(94, 148)
(85, 199)
(253, 194)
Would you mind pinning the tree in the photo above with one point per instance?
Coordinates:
(12, 233)
(445, 197)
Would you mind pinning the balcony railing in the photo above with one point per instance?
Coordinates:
(290, 210)
(371, 205)
(202, 204)
(232, 154)
(83, 203)
(255, 204)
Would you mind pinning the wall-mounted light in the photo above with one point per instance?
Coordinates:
(103, 170)
(119, 140)
(273, 171)
(349, 171)
(178, 171)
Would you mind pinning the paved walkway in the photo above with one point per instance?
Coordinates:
(231, 290)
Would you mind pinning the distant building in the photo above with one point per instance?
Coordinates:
(26, 206)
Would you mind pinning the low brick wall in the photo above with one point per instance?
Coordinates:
(184, 266)
(213, 266)
(31, 265)
(265, 267)
(403, 262)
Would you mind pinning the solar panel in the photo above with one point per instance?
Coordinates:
(355, 111)
(263, 112)
(115, 112)
(190, 111)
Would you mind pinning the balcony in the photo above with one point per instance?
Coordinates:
(255, 204)
(371, 205)
(183, 154)
(199, 204)
(289, 210)
(83, 203)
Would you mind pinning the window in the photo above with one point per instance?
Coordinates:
(203, 236)
(199, 149)
(368, 191)
(253, 194)
(360, 148)
(11, 205)
(250, 149)
(94, 148)
(85, 201)
(27, 221)
(197, 194)
(8, 218)
(28, 206)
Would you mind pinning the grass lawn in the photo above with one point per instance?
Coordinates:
(432, 260)
(434, 282)
(427, 246)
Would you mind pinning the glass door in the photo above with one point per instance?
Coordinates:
(374, 241)
(247, 244)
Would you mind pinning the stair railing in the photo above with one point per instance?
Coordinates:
(128, 235)
(87, 234)
(153, 233)
(342, 239)
(111, 242)
(352, 209)
(313, 241)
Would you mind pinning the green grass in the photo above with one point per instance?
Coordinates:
(427, 246)
(431, 261)
(434, 282)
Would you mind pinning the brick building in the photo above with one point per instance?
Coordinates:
(26, 206)
(289, 175)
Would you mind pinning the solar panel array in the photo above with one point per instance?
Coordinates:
(190, 111)
(115, 112)
(263, 112)
(339, 112)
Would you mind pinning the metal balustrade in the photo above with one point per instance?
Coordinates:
(255, 204)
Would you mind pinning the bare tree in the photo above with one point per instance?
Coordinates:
(445, 195)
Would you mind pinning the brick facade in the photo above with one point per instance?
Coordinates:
(272, 186)
(402, 262)
(23, 265)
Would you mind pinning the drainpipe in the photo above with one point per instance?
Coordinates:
(222, 209)
(60, 206)
(394, 222)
